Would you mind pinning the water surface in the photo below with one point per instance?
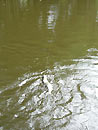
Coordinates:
(56, 38)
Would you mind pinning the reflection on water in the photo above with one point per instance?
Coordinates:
(52, 17)
(72, 104)
(23, 3)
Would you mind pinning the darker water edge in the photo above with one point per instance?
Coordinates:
(72, 104)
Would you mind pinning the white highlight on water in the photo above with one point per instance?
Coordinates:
(46, 82)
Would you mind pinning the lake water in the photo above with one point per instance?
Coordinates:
(56, 38)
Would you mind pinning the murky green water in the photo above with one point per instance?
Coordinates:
(56, 38)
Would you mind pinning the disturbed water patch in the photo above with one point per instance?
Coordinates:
(71, 105)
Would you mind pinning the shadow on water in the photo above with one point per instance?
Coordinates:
(71, 105)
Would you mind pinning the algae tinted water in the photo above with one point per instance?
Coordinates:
(56, 38)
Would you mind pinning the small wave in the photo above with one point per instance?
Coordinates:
(73, 101)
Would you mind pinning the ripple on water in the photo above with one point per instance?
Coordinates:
(71, 105)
